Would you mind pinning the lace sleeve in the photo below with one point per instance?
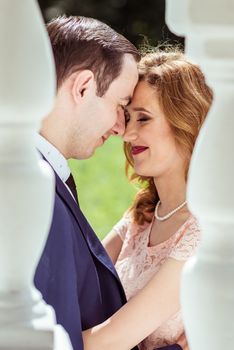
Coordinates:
(188, 241)
(121, 227)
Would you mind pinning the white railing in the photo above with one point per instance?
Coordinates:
(208, 279)
(27, 88)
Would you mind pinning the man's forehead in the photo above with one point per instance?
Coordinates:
(127, 99)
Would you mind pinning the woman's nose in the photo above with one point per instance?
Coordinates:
(130, 133)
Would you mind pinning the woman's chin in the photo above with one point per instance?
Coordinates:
(142, 172)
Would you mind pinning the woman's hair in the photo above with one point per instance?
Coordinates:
(184, 98)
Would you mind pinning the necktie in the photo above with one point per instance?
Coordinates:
(71, 184)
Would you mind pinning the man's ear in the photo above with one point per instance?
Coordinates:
(82, 83)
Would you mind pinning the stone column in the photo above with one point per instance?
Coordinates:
(27, 89)
(208, 279)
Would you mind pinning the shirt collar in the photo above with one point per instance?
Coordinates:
(54, 157)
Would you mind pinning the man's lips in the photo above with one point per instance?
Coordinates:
(138, 149)
(104, 138)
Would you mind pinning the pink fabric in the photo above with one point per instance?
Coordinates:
(138, 262)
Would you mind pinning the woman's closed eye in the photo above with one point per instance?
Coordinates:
(143, 118)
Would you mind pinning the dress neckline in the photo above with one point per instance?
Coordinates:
(177, 232)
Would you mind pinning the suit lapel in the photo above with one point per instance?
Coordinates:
(94, 245)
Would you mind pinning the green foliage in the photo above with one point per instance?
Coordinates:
(103, 189)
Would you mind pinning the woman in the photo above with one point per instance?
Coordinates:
(151, 243)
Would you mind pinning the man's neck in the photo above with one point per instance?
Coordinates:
(54, 157)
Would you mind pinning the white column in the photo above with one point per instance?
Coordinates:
(27, 88)
(208, 278)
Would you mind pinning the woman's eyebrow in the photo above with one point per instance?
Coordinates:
(141, 109)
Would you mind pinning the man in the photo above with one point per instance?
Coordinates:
(96, 75)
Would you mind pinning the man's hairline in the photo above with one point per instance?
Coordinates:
(123, 56)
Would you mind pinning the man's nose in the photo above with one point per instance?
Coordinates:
(119, 127)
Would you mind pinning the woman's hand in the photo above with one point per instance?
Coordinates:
(182, 341)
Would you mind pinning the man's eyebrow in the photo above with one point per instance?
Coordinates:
(127, 98)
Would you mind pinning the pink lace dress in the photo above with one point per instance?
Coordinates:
(138, 262)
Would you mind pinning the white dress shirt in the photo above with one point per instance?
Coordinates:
(55, 158)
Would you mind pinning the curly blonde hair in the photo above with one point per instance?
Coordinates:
(184, 98)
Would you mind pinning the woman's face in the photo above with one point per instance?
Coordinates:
(153, 147)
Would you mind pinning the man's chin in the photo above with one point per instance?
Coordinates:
(84, 155)
(89, 152)
(100, 142)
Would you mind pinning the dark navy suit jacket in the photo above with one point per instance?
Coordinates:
(75, 274)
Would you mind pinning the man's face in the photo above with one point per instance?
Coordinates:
(103, 116)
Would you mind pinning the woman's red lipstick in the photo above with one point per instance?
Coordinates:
(138, 149)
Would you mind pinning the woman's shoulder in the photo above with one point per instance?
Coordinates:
(189, 227)
(192, 227)
(187, 239)
(127, 227)
(123, 225)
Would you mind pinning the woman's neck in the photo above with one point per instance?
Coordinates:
(171, 189)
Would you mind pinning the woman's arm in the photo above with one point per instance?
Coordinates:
(144, 313)
(113, 244)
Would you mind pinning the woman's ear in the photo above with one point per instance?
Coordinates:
(83, 82)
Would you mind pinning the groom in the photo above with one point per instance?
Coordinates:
(96, 75)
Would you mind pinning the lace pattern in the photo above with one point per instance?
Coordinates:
(138, 262)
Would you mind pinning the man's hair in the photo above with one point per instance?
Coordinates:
(85, 43)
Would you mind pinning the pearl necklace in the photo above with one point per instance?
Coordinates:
(167, 216)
